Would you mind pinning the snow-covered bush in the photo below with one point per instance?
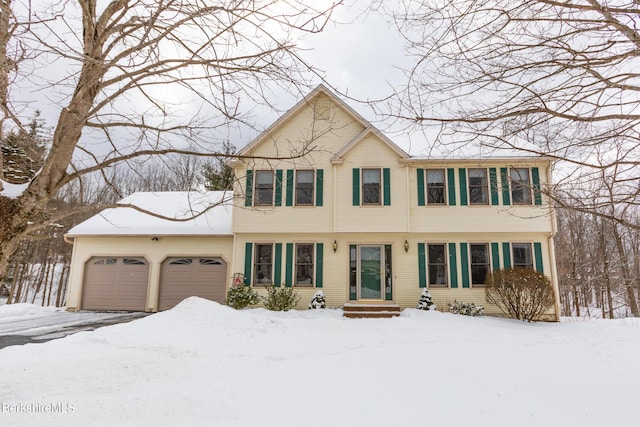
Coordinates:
(465, 308)
(520, 293)
(425, 301)
(241, 297)
(280, 299)
(318, 301)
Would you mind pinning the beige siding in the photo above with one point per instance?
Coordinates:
(154, 251)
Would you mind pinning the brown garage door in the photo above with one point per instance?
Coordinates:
(115, 283)
(189, 276)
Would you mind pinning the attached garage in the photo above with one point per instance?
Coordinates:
(183, 277)
(115, 283)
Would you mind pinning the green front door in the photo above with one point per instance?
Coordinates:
(370, 261)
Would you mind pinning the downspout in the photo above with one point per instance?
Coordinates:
(335, 195)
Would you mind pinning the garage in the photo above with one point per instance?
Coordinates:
(115, 283)
(183, 277)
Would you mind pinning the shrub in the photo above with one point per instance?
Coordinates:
(318, 301)
(465, 308)
(280, 299)
(242, 297)
(520, 293)
(425, 302)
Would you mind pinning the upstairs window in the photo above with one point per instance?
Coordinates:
(520, 186)
(371, 186)
(478, 188)
(522, 255)
(304, 187)
(264, 188)
(435, 187)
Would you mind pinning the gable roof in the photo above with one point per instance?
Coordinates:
(184, 206)
(307, 100)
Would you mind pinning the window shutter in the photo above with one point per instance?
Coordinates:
(277, 267)
(421, 193)
(288, 275)
(356, 187)
(506, 194)
(462, 174)
(422, 267)
(495, 256)
(319, 185)
(453, 265)
(535, 177)
(319, 263)
(248, 192)
(289, 191)
(386, 178)
(537, 250)
(248, 248)
(506, 254)
(493, 181)
(464, 259)
(278, 200)
(451, 184)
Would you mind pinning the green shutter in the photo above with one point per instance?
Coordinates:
(422, 267)
(248, 248)
(353, 279)
(356, 187)
(464, 260)
(535, 176)
(462, 175)
(289, 191)
(506, 254)
(495, 256)
(451, 183)
(537, 250)
(388, 291)
(319, 185)
(386, 178)
(319, 263)
(421, 193)
(277, 267)
(278, 201)
(453, 265)
(248, 192)
(288, 274)
(493, 181)
(506, 194)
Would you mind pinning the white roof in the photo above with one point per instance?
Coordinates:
(180, 205)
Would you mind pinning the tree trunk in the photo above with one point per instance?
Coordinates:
(626, 274)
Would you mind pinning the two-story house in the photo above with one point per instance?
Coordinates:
(323, 200)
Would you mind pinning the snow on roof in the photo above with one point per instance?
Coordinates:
(181, 205)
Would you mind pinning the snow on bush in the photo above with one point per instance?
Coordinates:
(241, 297)
(318, 301)
(425, 301)
(465, 308)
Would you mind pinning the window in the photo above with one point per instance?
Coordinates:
(479, 263)
(437, 259)
(181, 261)
(478, 192)
(522, 255)
(520, 186)
(371, 186)
(304, 188)
(105, 261)
(264, 188)
(304, 264)
(263, 264)
(435, 186)
(209, 261)
(133, 261)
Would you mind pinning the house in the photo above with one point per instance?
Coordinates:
(323, 200)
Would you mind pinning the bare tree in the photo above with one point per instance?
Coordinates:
(145, 77)
(548, 77)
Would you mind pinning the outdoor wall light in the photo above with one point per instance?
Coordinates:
(335, 246)
(406, 246)
(154, 239)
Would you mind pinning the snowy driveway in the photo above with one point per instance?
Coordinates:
(25, 323)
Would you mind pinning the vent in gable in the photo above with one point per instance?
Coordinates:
(322, 108)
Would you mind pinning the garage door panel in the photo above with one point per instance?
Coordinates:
(115, 284)
(183, 277)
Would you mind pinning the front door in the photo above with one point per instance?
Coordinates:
(371, 272)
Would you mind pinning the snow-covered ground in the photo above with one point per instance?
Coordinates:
(203, 364)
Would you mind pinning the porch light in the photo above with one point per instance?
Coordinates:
(335, 246)
(406, 246)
